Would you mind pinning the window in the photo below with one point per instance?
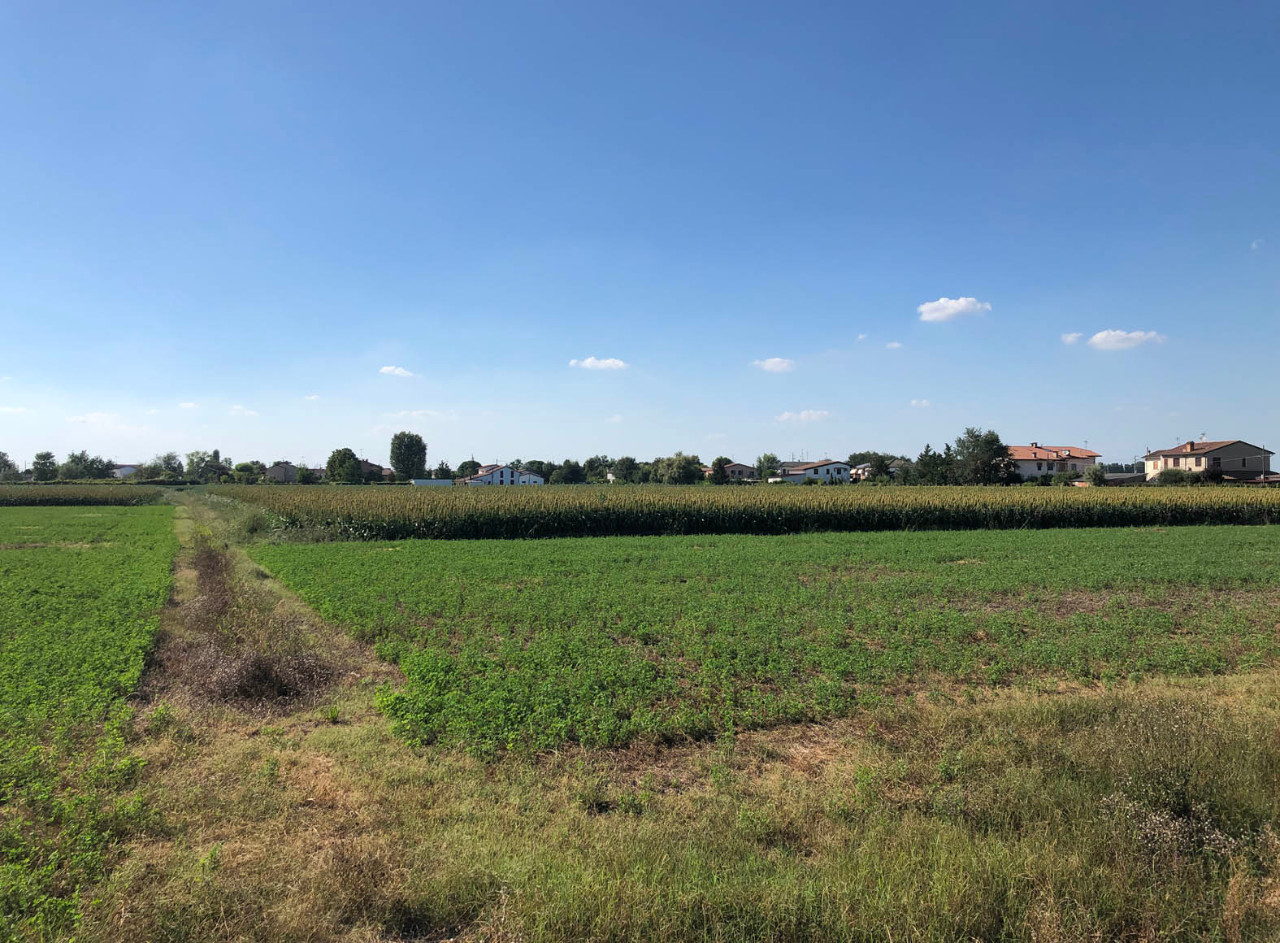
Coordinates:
(1244, 463)
(1215, 461)
(1039, 466)
(1199, 461)
(1177, 462)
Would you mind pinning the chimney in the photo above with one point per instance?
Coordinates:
(1035, 445)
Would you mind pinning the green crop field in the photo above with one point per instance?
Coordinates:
(582, 511)
(58, 495)
(80, 591)
(531, 644)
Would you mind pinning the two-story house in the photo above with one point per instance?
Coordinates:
(1035, 460)
(1234, 458)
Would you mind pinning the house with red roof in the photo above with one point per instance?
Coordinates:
(1035, 460)
(1236, 459)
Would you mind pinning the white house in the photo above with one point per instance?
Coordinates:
(1035, 460)
(502, 475)
(827, 472)
(432, 482)
(124, 471)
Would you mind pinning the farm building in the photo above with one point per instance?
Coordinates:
(286, 473)
(125, 470)
(1234, 458)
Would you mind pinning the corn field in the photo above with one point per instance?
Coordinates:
(582, 511)
(72, 495)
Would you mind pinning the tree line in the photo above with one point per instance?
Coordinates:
(976, 457)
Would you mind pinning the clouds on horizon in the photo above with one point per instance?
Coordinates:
(805, 415)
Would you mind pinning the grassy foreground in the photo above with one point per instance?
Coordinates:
(537, 643)
(271, 803)
(80, 593)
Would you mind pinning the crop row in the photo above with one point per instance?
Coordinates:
(76, 495)
(459, 513)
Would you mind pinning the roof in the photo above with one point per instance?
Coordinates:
(1049, 453)
(1201, 448)
(790, 466)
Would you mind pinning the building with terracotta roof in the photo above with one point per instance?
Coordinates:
(1035, 460)
(735, 471)
(1234, 458)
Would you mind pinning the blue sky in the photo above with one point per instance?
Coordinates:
(221, 222)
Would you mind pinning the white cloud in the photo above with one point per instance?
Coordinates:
(1072, 337)
(13, 409)
(153, 412)
(1255, 246)
(805, 415)
(893, 345)
(944, 309)
(595, 363)
(1123, 340)
(861, 338)
(241, 411)
(186, 405)
(774, 364)
(97, 419)
(414, 414)
(922, 403)
(616, 417)
(395, 371)
(312, 397)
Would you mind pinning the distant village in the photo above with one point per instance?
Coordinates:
(977, 457)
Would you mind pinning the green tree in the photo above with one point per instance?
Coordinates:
(678, 469)
(8, 468)
(306, 476)
(343, 467)
(936, 468)
(45, 467)
(719, 476)
(596, 469)
(1096, 475)
(81, 465)
(626, 469)
(248, 473)
(206, 466)
(468, 468)
(443, 470)
(569, 473)
(408, 455)
(766, 466)
(982, 459)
